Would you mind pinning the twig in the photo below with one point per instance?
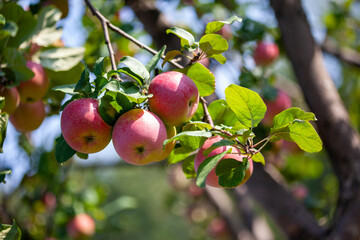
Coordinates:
(104, 24)
(207, 118)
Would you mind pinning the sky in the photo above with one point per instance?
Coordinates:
(74, 36)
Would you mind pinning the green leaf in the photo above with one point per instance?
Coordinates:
(67, 88)
(3, 175)
(10, 232)
(178, 155)
(61, 59)
(2, 102)
(2, 19)
(213, 44)
(247, 105)
(187, 39)
(46, 29)
(219, 57)
(190, 142)
(206, 166)
(3, 126)
(287, 116)
(215, 26)
(230, 172)
(82, 155)
(221, 113)
(10, 29)
(188, 166)
(83, 85)
(221, 143)
(112, 105)
(70, 76)
(170, 55)
(202, 77)
(154, 60)
(101, 66)
(258, 158)
(134, 69)
(201, 133)
(12, 11)
(63, 151)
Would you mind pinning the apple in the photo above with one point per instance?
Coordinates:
(138, 137)
(12, 99)
(28, 116)
(35, 88)
(212, 179)
(83, 128)
(175, 97)
(82, 225)
(226, 32)
(265, 53)
(275, 106)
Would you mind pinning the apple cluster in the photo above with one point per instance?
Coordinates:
(24, 103)
(138, 134)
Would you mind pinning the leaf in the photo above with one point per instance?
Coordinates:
(46, 29)
(215, 26)
(12, 11)
(287, 116)
(3, 175)
(27, 26)
(230, 172)
(206, 166)
(170, 55)
(67, 88)
(221, 113)
(63, 151)
(70, 76)
(221, 143)
(10, 29)
(258, 158)
(101, 66)
(83, 85)
(61, 59)
(188, 166)
(3, 126)
(2, 19)
(202, 77)
(178, 155)
(190, 142)
(201, 133)
(10, 232)
(219, 57)
(112, 105)
(135, 69)
(154, 60)
(187, 39)
(247, 105)
(213, 44)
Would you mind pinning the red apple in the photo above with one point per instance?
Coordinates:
(275, 106)
(265, 53)
(175, 97)
(83, 128)
(28, 117)
(212, 179)
(35, 88)
(12, 99)
(138, 137)
(82, 225)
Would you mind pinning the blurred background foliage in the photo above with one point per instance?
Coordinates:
(157, 202)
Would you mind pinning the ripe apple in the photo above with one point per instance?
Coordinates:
(82, 225)
(28, 116)
(138, 137)
(83, 128)
(35, 88)
(175, 97)
(12, 99)
(275, 106)
(265, 53)
(212, 179)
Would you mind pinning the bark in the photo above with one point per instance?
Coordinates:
(346, 55)
(340, 139)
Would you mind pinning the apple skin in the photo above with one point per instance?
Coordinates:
(138, 137)
(35, 88)
(83, 128)
(82, 225)
(212, 179)
(175, 97)
(265, 53)
(28, 116)
(275, 106)
(12, 99)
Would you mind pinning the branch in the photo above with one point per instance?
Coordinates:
(342, 142)
(346, 55)
(207, 118)
(104, 24)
